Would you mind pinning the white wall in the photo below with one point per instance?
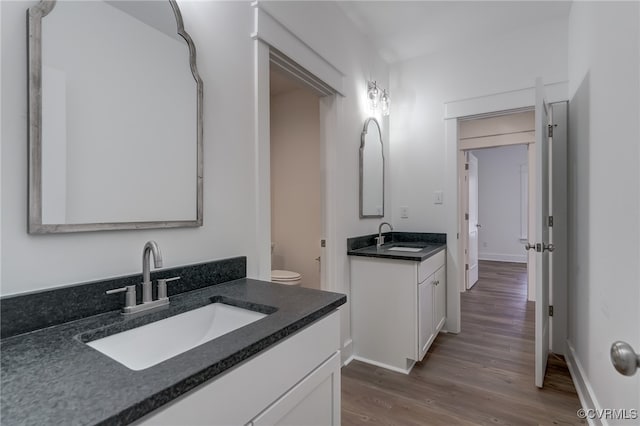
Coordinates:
(420, 88)
(325, 29)
(604, 196)
(296, 209)
(225, 59)
(221, 31)
(499, 210)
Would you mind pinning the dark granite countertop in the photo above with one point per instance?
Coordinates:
(429, 244)
(50, 376)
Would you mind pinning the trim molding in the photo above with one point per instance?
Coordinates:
(347, 361)
(506, 101)
(583, 387)
(382, 365)
(272, 32)
(347, 351)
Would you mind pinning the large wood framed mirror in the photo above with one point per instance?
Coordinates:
(115, 117)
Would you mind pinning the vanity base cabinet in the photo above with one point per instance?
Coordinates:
(296, 381)
(397, 309)
(384, 312)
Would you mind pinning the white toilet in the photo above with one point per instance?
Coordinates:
(286, 277)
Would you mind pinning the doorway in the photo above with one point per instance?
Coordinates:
(498, 207)
(550, 320)
(296, 188)
(495, 187)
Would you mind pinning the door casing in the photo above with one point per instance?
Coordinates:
(489, 104)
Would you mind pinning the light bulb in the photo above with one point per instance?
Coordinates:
(373, 94)
(385, 102)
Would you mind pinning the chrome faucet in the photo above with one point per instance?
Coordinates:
(380, 237)
(131, 305)
(149, 247)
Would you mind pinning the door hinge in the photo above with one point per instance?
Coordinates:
(550, 310)
(550, 130)
(550, 222)
(466, 216)
(466, 266)
(466, 166)
(323, 243)
(458, 236)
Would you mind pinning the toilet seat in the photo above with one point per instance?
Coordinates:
(285, 277)
(281, 275)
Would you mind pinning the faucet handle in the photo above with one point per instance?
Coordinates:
(162, 286)
(130, 297)
(379, 240)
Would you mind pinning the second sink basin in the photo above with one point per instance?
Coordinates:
(404, 248)
(150, 344)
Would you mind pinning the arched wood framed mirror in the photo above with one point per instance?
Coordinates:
(115, 117)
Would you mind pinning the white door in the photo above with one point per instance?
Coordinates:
(543, 246)
(472, 277)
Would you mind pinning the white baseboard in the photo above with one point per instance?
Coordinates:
(583, 387)
(346, 353)
(500, 257)
(348, 361)
(381, 365)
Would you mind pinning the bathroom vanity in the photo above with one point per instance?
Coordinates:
(282, 367)
(398, 297)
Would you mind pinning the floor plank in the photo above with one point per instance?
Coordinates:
(484, 375)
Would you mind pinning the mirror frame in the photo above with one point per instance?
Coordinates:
(35, 225)
(362, 142)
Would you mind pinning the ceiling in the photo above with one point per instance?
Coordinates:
(406, 29)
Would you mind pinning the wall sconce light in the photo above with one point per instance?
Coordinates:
(376, 99)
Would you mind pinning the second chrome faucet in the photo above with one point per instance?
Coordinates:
(380, 237)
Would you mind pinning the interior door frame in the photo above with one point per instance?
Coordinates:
(464, 198)
(271, 34)
(467, 247)
(327, 119)
(453, 111)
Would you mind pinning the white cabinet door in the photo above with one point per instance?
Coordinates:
(315, 401)
(425, 315)
(238, 395)
(440, 299)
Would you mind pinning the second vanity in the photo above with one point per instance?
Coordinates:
(398, 297)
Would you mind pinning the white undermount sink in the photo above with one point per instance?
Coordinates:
(404, 248)
(150, 344)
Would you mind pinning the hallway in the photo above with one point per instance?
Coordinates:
(484, 375)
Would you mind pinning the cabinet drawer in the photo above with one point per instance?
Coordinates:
(432, 264)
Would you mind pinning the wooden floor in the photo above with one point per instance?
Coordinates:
(484, 375)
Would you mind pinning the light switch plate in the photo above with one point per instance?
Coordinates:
(438, 197)
(404, 212)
